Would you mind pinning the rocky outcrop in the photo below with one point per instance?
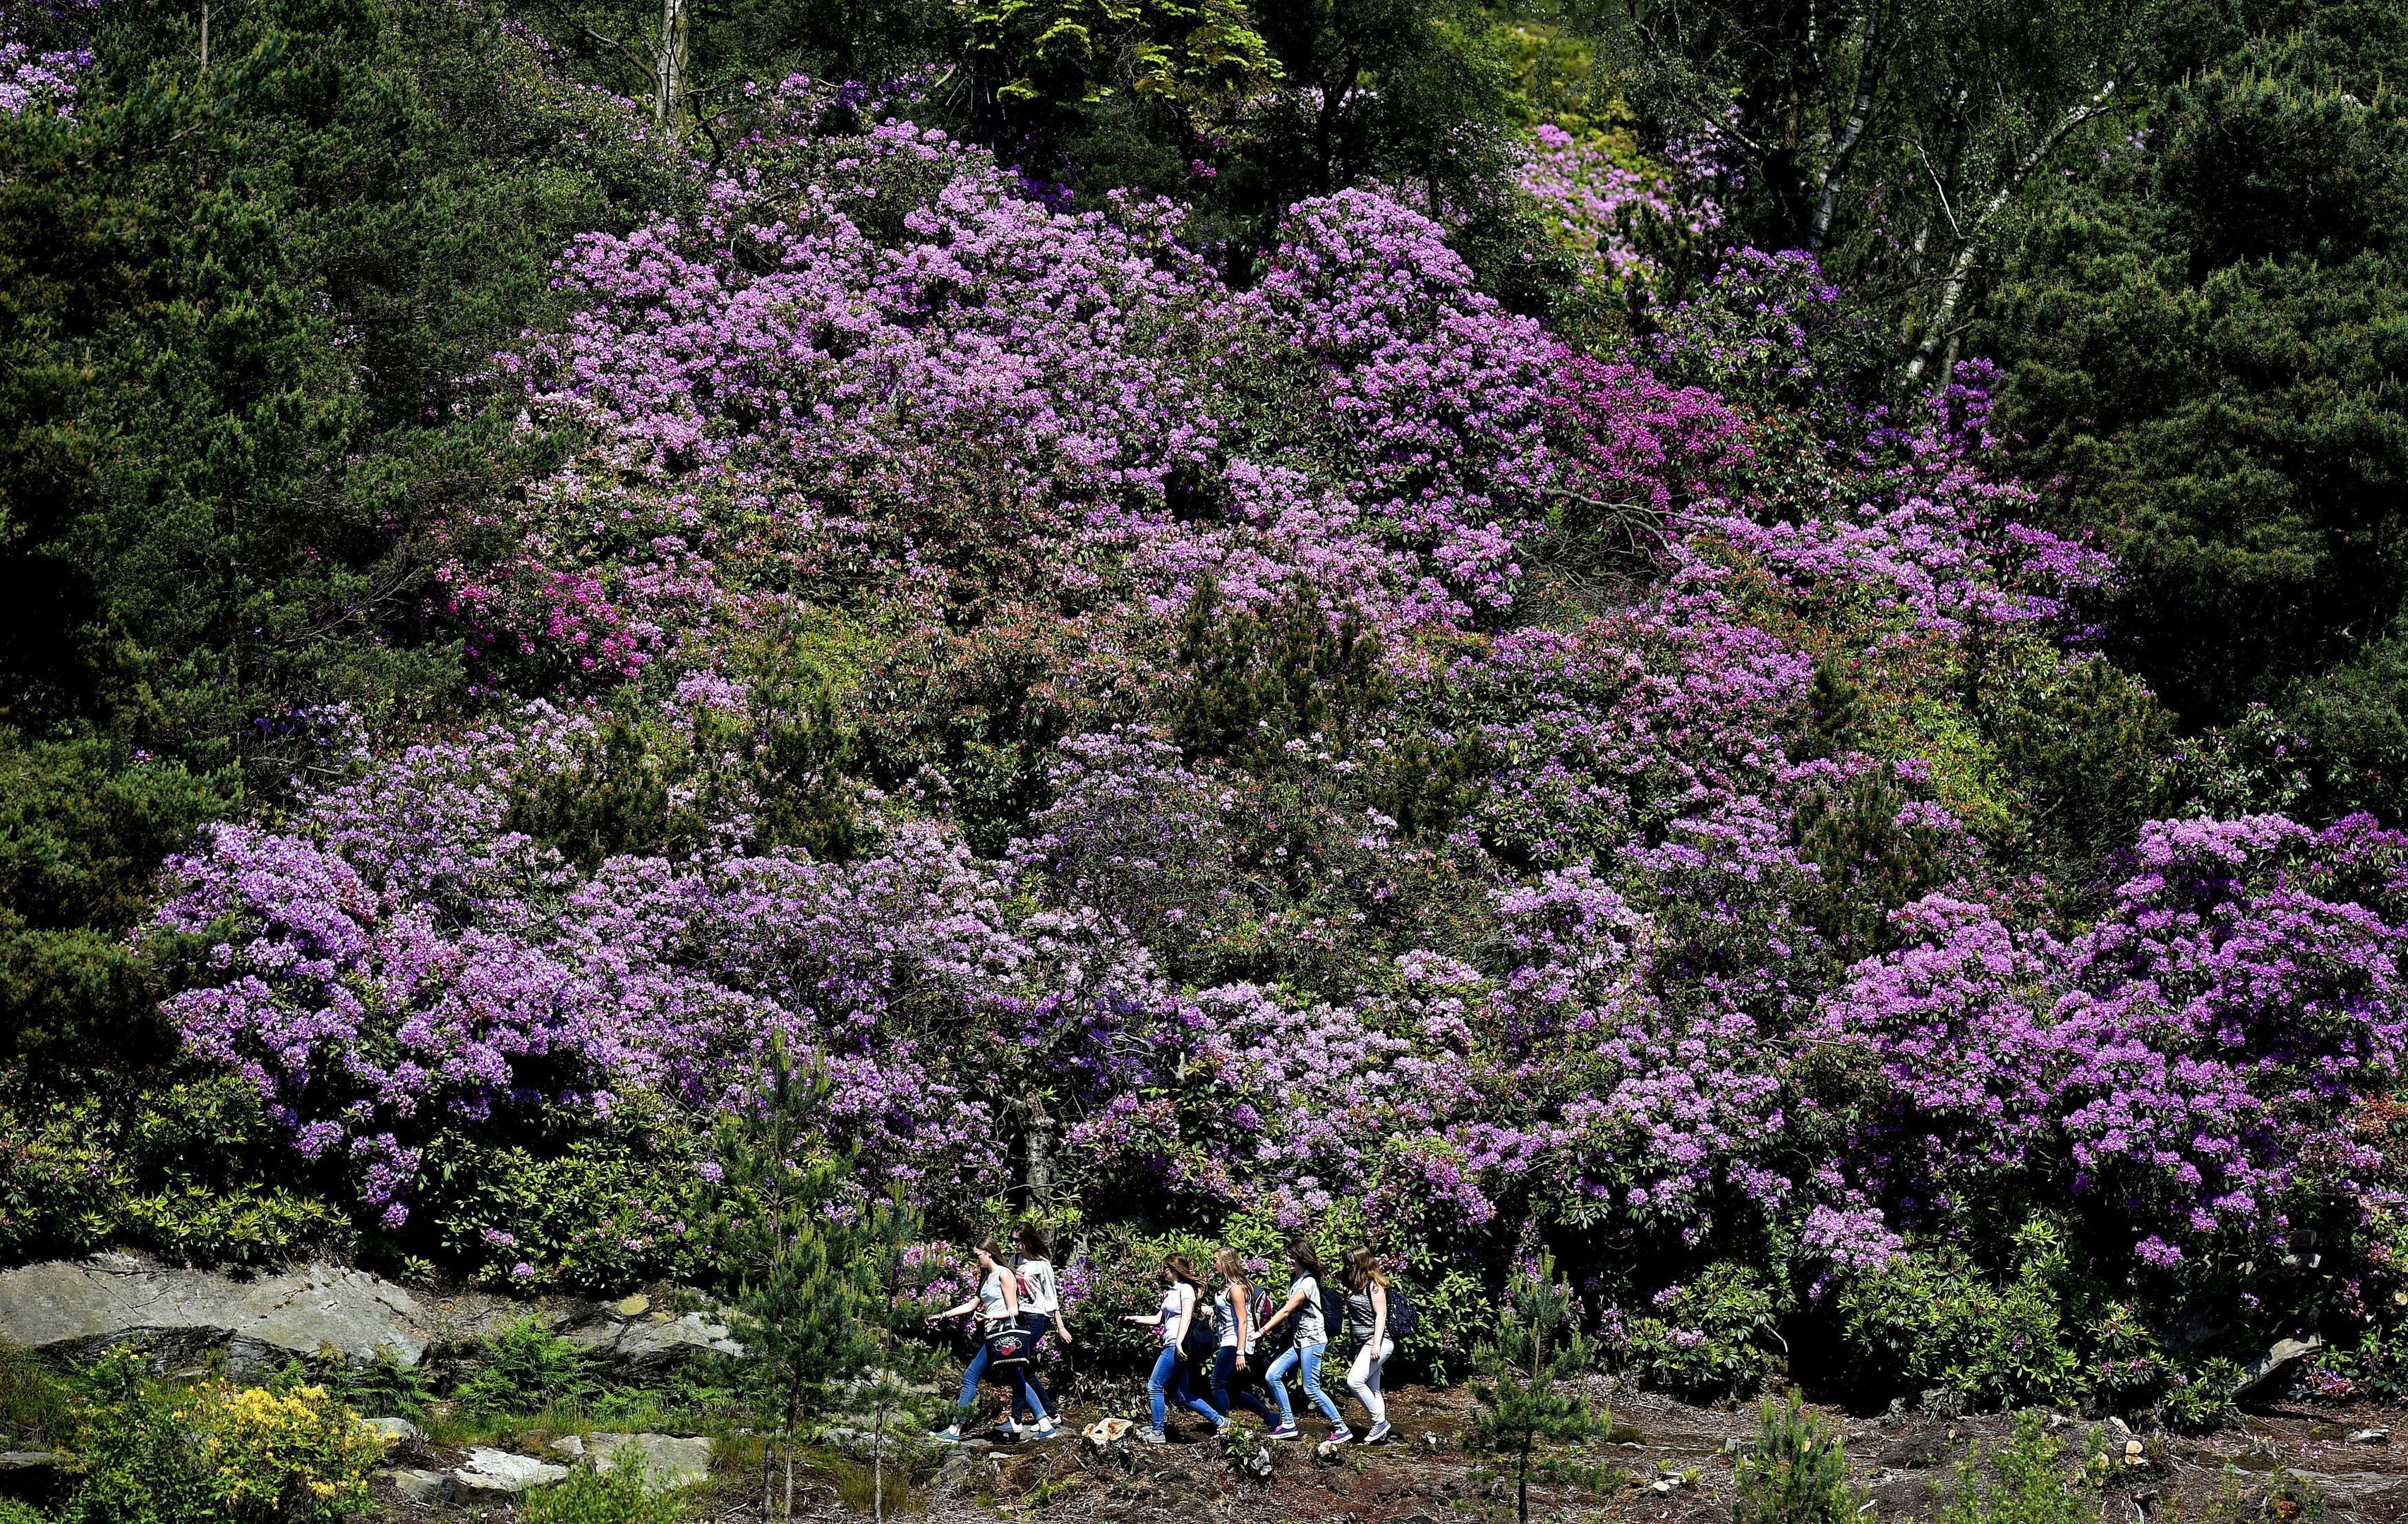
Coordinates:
(83, 1307)
(77, 1309)
(669, 1461)
(491, 1474)
(650, 1342)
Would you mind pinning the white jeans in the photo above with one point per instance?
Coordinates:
(1363, 1379)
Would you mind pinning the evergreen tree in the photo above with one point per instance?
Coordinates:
(1521, 1374)
(804, 1256)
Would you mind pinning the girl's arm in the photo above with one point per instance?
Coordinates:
(1238, 1300)
(1379, 1320)
(1061, 1330)
(970, 1305)
(1010, 1296)
(1271, 1322)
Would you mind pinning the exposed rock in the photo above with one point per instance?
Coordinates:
(499, 1473)
(80, 1308)
(649, 1347)
(426, 1489)
(2285, 1353)
(634, 1306)
(396, 1430)
(669, 1461)
(2371, 1436)
(31, 1460)
(1942, 1402)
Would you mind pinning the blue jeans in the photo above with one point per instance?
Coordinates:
(1305, 1359)
(1170, 1377)
(1024, 1391)
(1225, 1371)
(1037, 1326)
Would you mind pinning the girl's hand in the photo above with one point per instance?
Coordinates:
(1241, 1362)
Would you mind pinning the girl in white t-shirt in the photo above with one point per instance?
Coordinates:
(1040, 1302)
(1182, 1294)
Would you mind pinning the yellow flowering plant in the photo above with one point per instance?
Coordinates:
(288, 1457)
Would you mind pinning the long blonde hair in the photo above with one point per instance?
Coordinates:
(1180, 1270)
(1227, 1265)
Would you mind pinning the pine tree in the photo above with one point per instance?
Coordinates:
(1537, 1348)
(800, 1248)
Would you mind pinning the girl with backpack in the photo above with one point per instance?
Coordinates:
(1309, 1324)
(1041, 1300)
(1185, 1336)
(1366, 1319)
(998, 1305)
(1234, 1313)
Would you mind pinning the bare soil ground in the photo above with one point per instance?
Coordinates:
(1666, 1463)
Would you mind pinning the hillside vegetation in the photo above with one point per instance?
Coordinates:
(1756, 652)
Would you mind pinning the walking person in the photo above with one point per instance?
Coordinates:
(998, 1305)
(1179, 1320)
(1366, 1319)
(1305, 1308)
(1234, 1311)
(1041, 1304)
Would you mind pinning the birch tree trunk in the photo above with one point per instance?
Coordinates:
(668, 67)
(1969, 248)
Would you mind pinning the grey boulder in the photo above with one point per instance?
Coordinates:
(81, 1308)
(654, 1341)
(669, 1461)
(396, 1430)
(428, 1489)
(498, 1473)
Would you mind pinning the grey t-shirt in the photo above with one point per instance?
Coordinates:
(1360, 1315)
(1312, 1326)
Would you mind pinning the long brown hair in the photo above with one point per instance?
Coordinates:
(1032, 1243)
(1180, 1270)
(1227, 1265)
(1363, 1268)
(1301, 1254)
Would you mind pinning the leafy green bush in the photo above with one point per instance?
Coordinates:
(1711, 1337)
(1795, 1472)
(384, 1388)
(1928, 1320)
(216, 1454)
(527, 1369)
(615, 1496)
(2029, 1485)
(34, 1404)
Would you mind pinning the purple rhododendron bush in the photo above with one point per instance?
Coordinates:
(1200, 756)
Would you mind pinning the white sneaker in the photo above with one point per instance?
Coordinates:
(1045, 1431)
(1152, 1436)
(1379, 1432)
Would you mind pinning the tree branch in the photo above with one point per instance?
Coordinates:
(1952, 291)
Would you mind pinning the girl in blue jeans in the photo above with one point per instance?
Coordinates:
(1180, 1296)
(997, 1304)
(1304, 1304)
(1235, 1313)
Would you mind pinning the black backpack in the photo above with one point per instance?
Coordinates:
(1402, 1318)
(1203, 1331)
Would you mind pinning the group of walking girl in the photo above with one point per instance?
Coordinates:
(1216, 1333)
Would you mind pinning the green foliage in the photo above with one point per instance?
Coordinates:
(807, 1265)
(35, 1409)
(1930, 1320)
(2029, 1485)
(1711, 1337)
(1537, 1348)
(526, 1368)
(135, 1460)
(2204, 340)
(383, 1387)
(1795, 1472)
(182, 1160)
(595, 1496)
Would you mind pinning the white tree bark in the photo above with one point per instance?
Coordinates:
(1970, 235)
